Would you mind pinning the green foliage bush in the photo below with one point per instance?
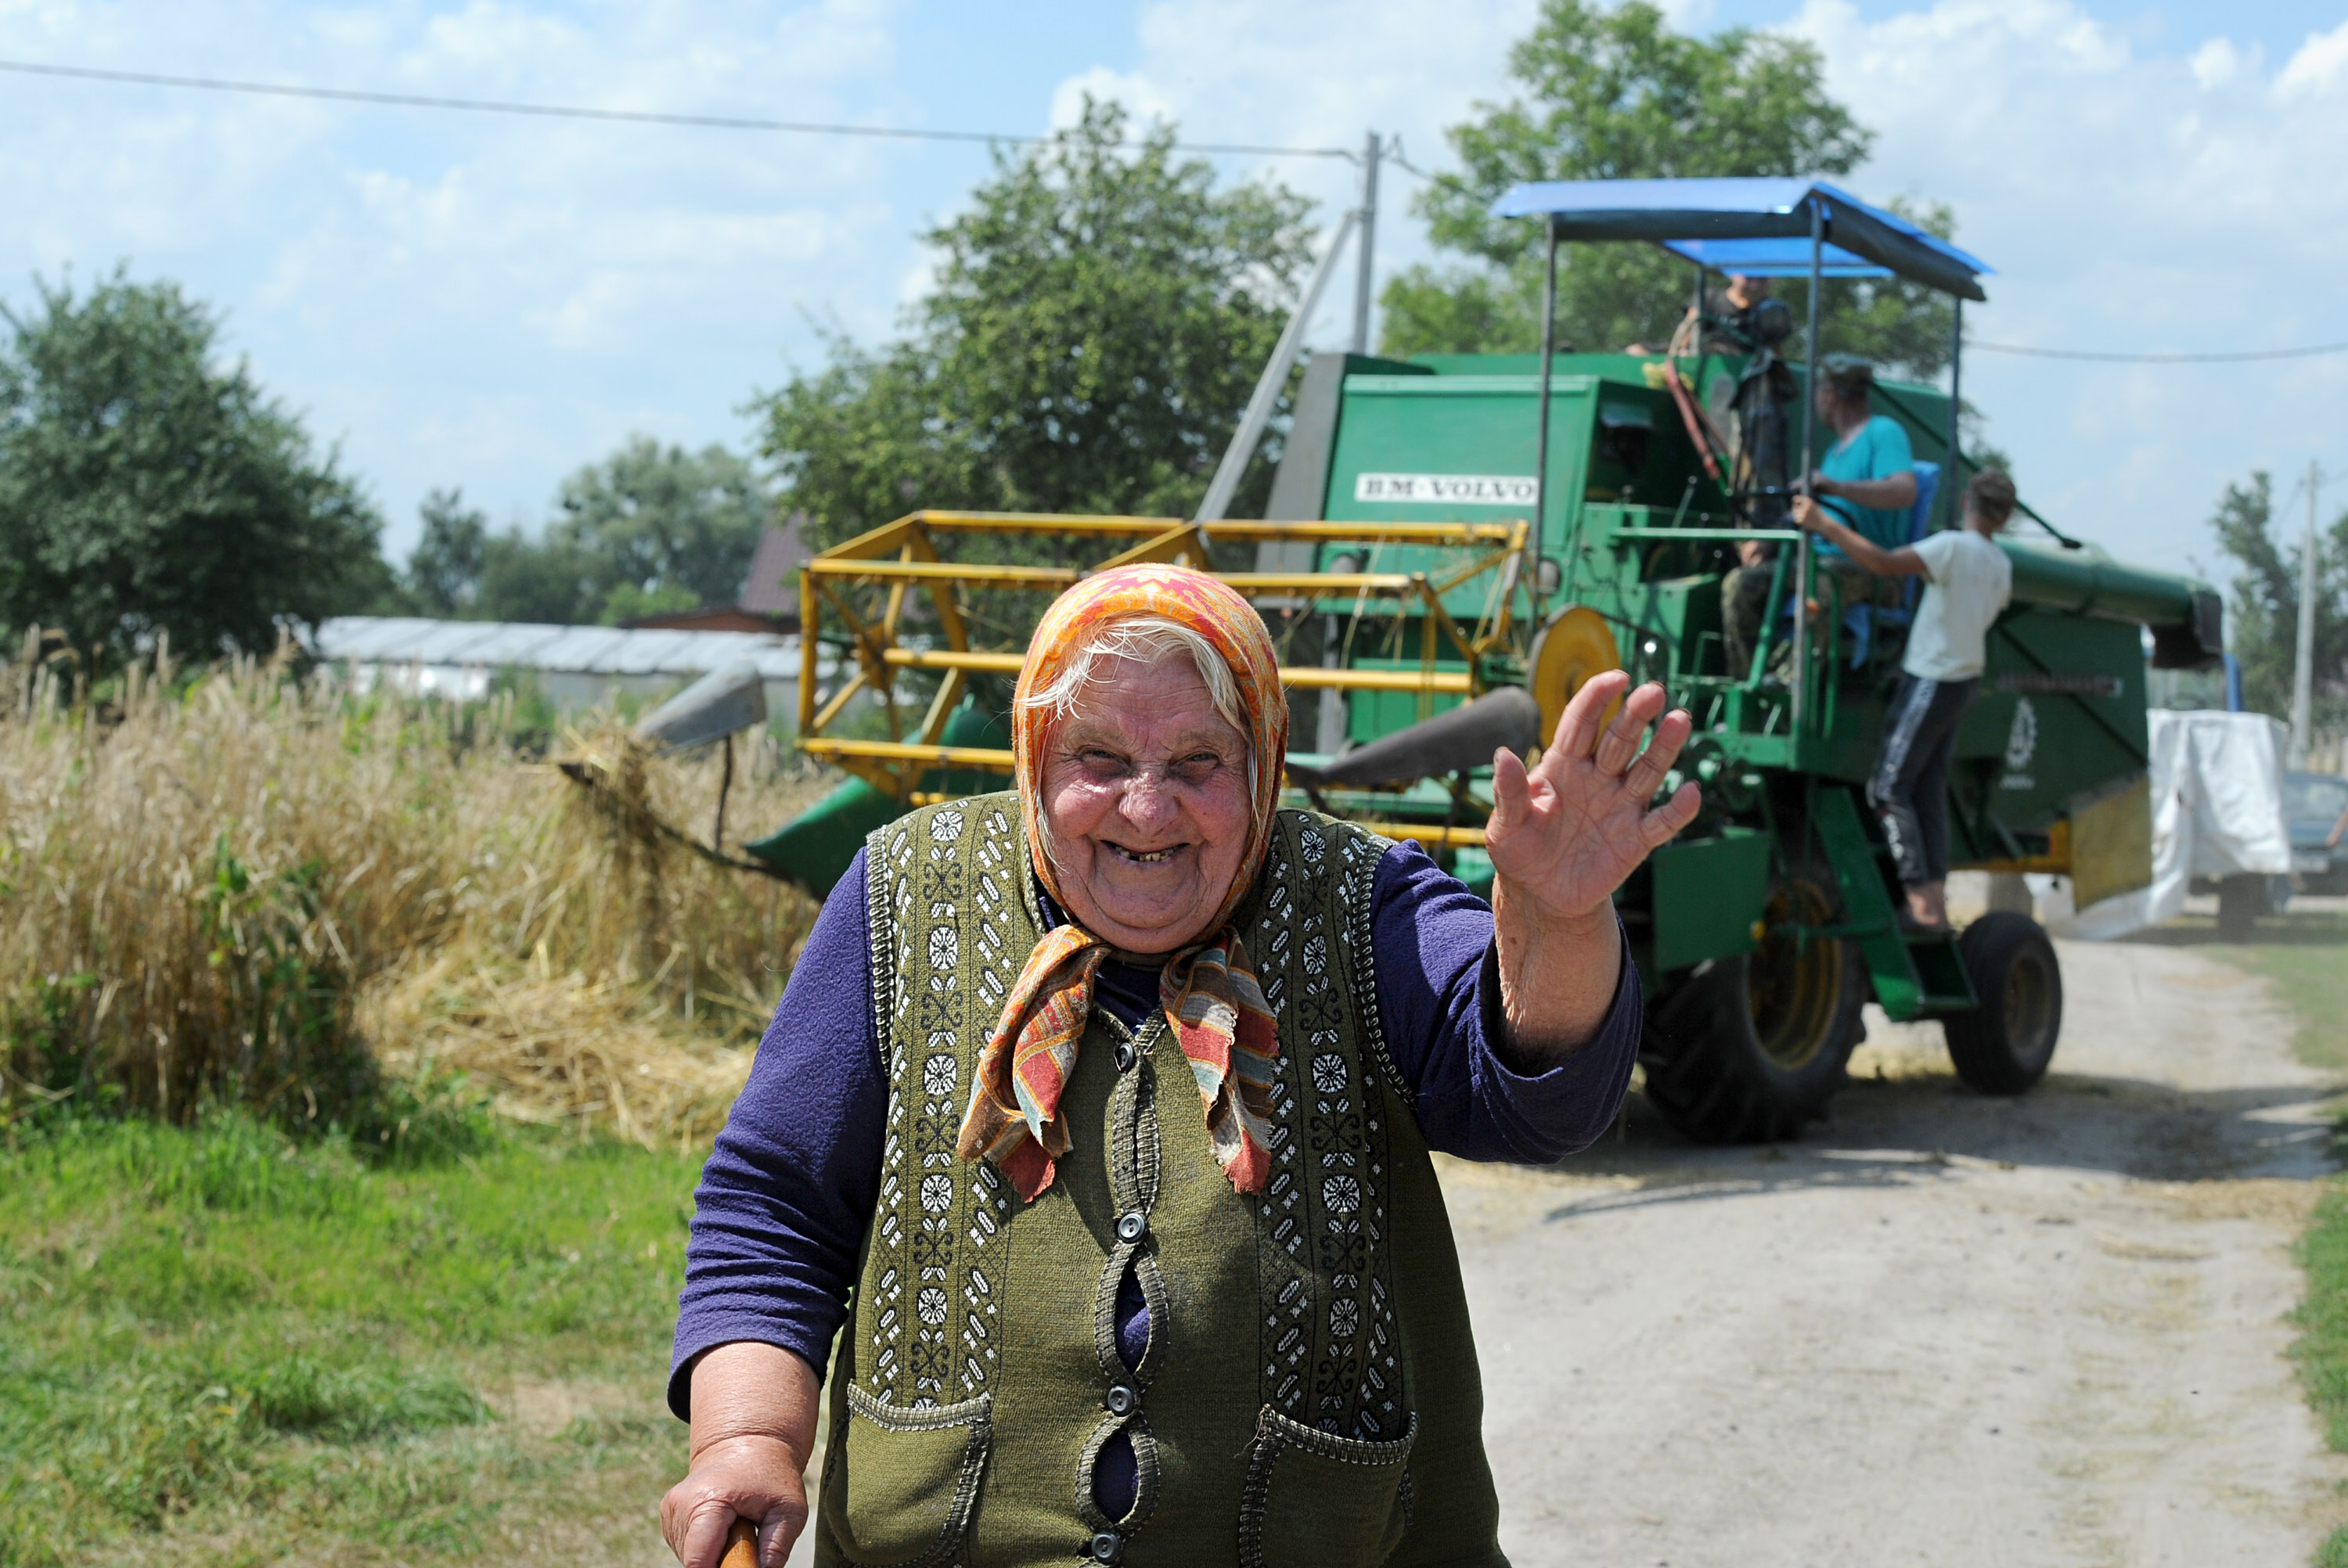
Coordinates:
(650, 528)
(1100, 316)
(145, 487)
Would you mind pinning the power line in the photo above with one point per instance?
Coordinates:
(1432, 177)
(633, 116)
(2241, 357)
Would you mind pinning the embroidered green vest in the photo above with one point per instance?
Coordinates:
(1309, 1397)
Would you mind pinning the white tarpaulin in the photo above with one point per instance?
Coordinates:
(2217, 810)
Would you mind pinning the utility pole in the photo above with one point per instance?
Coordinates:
(2303, 666)
(1369, 251)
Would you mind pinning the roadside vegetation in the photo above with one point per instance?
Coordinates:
(356, 1071)
(253, 889)
(218, 1345)
(2323, 1348)
(2311, 971)
(2304, 952)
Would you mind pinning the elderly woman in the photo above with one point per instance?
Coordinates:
(1096, 1314)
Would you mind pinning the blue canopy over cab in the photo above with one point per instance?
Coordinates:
(1760, 227)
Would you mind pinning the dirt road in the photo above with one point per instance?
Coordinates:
(1942, 1329)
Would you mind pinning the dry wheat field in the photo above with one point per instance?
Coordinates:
(251, 886)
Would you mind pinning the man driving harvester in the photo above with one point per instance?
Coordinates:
(1968, 580)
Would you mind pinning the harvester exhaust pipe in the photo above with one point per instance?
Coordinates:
(1451, 743)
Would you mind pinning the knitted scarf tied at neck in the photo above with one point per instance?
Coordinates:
(1215, 1009)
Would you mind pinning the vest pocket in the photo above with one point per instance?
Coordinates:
(900, 1487)
(1318, 1500)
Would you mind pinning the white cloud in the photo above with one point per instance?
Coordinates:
(1140, 96)
(2317, 64)
(1321, 74)
(491, 39)
(474, 298)
(2216, 63)
(2132, 201)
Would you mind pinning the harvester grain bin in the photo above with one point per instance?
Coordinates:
(1456, 542)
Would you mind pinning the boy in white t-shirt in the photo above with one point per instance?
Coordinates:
(1968, 580)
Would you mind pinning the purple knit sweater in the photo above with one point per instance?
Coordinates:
(786, 1196)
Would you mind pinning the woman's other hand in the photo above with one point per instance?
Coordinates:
(754, 1414)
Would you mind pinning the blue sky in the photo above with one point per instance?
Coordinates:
(489, 302)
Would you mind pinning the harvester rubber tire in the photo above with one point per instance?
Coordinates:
(2003, 1046)
(1710, 1074)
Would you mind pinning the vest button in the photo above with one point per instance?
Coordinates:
(1129, 1227)
(1126, 1056)
(1105, 1546)
(1121, 1400)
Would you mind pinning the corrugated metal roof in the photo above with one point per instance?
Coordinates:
(526, 645)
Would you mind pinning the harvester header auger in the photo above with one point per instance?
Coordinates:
(1458, 542)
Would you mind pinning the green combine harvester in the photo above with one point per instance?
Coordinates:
(1456, 543)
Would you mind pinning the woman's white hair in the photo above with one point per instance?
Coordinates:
(1146, 640)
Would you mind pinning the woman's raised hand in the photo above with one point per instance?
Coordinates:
(1564, 834)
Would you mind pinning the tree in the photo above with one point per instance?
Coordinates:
(526, 578)
(649, 529)
(1618, 95)
(145, 488)
(2265, 634)
(661, 528)
(1100, 316)
(444, 570)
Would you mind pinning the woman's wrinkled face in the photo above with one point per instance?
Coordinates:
(1145, 791)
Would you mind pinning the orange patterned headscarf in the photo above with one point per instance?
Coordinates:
(1208, 989)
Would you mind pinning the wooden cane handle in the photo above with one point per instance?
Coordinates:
(741, 1546)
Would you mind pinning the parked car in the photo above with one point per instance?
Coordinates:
(2315, 805)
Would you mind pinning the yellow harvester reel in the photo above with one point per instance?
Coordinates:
(1576, 644)
(852, 599)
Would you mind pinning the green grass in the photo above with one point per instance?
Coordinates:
(218, 1347)
(2323, 1346)
(2322, 1318)
(2304, 952)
